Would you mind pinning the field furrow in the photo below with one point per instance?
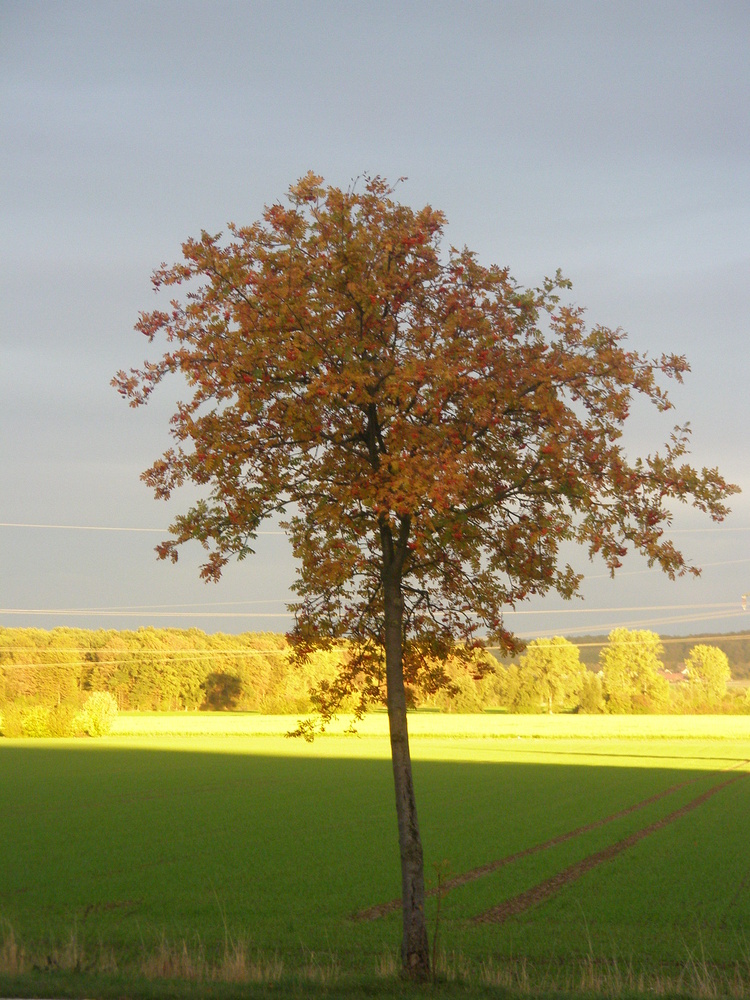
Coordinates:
(544, 890)
(456, 881)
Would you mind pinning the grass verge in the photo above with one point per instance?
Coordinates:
(181, 970)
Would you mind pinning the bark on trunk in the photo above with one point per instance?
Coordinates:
(415, 952)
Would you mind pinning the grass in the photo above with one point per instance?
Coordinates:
(491, 725)
(226, 859)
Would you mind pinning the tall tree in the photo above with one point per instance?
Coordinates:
(708, 672)
(432, 431)
(630, 662)
(552, 674)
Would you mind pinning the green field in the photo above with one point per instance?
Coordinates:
(122, 852)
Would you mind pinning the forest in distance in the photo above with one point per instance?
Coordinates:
(164, 669)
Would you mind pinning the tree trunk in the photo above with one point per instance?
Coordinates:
(415, 952)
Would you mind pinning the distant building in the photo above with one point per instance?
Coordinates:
(674, 676)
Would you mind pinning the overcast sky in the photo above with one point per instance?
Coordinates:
(610, 139)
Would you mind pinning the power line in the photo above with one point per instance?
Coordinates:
(664, 640)
(78, 613)
(79, 527)
(104, 527)
(648, 607)
(156, 610)
(162, 607)
(702, 531)
(640, 623)
(101, 527)
(139, 656)
(639, 572)
(179, 654)
(178, 657)
(693, 616)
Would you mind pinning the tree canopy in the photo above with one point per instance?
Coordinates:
(432, 432)
(630, 666)
(552, 673)
(708, 672)
(392, 397)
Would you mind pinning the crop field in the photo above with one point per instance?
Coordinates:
(549, 844)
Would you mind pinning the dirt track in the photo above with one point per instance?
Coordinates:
(550, 886)
(542, 891)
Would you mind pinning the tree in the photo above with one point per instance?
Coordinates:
(708, 672)
(592, 694)
(630, 665)
(552, 671)
(432, 431)
(222, 691)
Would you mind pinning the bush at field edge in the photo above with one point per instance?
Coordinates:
(95, 718)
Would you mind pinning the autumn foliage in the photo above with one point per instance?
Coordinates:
(350, 372)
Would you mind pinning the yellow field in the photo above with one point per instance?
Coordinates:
(497, 726)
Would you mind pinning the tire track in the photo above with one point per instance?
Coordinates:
(544, 890)
(383, 909)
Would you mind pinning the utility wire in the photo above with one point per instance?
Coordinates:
(104, 527)
(101, 527)
(139, 656)
(639, 572)
(637, 624)
(78, 613)
(164, 607)
(145, 610)
(647, 607)
(178, 657)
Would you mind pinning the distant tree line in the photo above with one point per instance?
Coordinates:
(155, 669)
(631, 678)
(174, 669)
(736, 646)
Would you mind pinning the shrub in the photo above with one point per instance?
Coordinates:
(97, 715)
(35, 722)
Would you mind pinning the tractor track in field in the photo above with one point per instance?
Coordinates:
(541, 892)
(383, 909)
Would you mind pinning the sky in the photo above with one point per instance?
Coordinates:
(609, 139)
